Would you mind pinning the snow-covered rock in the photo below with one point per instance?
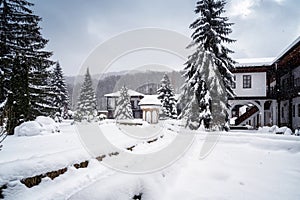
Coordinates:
(30, 128)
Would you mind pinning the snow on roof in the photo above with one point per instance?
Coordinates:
(288, 48)
(251, 62)
(150, 100)
(130, 92)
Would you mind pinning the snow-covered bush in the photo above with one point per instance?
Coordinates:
(29, 128)
(58, 117)
(297, 132)
(275, 130)
(48, 124)
(284, 130)
(102, 117)
(41, 126)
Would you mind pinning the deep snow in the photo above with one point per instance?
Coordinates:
(242, 165)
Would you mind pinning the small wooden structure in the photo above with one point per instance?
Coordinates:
(150, 106)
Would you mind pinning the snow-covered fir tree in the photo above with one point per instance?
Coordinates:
(210, 32)
(61, 98)
(195, 97)
(86, 105)
(41, 92)
(167, 97)
(24, 63)
(123, 108)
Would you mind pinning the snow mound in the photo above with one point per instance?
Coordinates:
(30, 128)
(102, 117)
(275, 130)
(40, 126)
(48, 124)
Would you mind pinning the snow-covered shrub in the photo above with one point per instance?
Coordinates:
(29, 128)
(297, 132)
(48, 124)
(58, 117)
(102, 117)
(284, 130)
(275, 130)
(70, 114)
(40, 126)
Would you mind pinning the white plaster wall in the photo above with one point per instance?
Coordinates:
(258, 85)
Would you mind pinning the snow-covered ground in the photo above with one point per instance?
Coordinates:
(242, 165)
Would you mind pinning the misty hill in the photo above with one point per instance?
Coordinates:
(145, 82)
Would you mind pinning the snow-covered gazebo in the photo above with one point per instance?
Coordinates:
(150, 106)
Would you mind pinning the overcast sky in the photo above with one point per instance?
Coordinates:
(263, 28)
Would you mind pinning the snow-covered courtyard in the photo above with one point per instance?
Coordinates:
(242, 165)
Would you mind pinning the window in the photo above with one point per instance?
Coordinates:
(246, 81)
(293, 111)
(282, 112)
(233, 84)
(298, 110)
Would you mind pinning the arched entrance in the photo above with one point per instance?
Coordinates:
(252, 112)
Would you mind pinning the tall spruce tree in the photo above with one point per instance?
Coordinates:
(167, 97)
(24, 64)
(210, 32)
(61, 98)
(195, 97)
(86, 105)
(123, 108)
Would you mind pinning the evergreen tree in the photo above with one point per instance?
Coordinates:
(195, 97)
(23, 63)
(61, 98)
(167, 98)
(210, 32)
(86, 105)
(41, 92)
(123, 108)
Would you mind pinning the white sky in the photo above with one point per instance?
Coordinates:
(263, 28)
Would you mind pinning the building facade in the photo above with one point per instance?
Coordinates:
(112, 98)
(269, 89)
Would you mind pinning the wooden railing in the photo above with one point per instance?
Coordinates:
(246, 115)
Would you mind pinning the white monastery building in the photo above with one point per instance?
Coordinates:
(269, 89)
